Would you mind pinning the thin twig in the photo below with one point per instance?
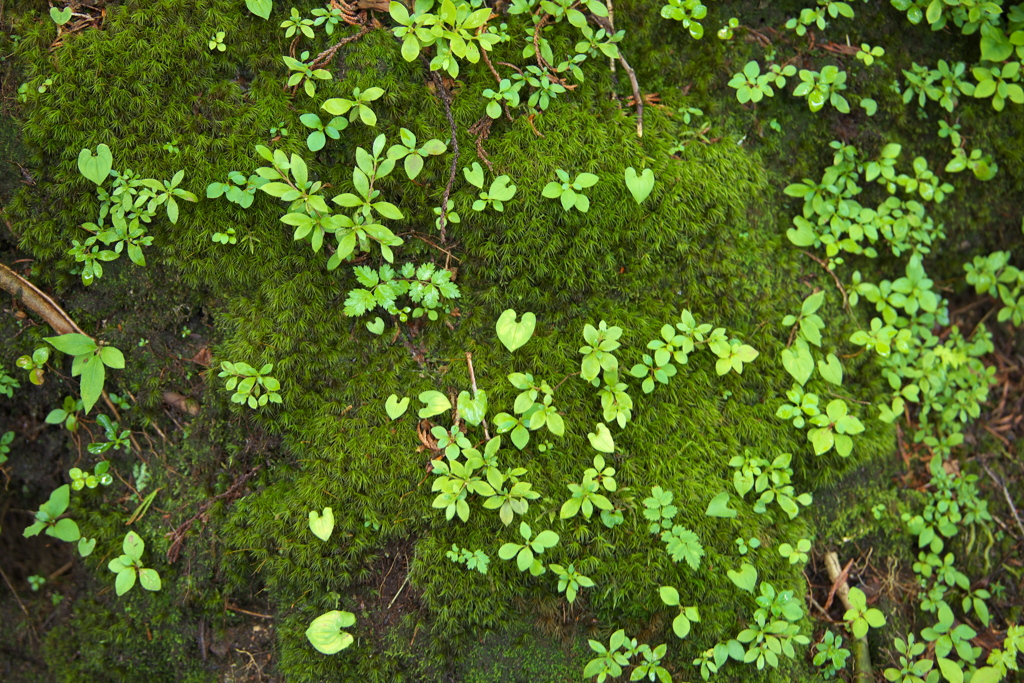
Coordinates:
(842, 290)
(233, 608)
(445, 96)
(1006, 494)
(472, 379)
(636, 95)
(324, 57)
(400, 589)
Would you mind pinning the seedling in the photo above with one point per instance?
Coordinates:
(47, 517)
(570, 193)
(129, 566)
(325, 632)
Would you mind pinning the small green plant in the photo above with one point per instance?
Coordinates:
(217, 41)
(67, 413)
(116, 438)
(570, 581)
(238, 190)
(824, 87)
(296, 23)
(250, 386)
(36, 582)
(226, 237)
(687, 615)
(100, 475)
(585, 496)
(868, 55)
(500, 191)
(129, 566)
(689, 13)
(745, 546)
(859, 618)
(5, 446)
(452, 30)
(316, 140)
(598, 356)
(325, 632)
(7, 384)
(999, 83)
(279, 130)
(610, 660)
(834, 428)
(426, 285)
(48, 518)
(35, 364)
(752, 86)
(526, 553)
(507, 94)
(303, 73)
(476, 559)
(831, 656)
(798, 554)
(328, 17)
(570, 193)
(413, 156)
(357, 108)
(90, 361)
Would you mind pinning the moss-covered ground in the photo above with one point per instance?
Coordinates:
(238, 484)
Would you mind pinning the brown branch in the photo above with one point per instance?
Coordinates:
(178, 535)
(636, 95)
(472, 379)
(446, 99)
(1006, 494)
(327, 55)
(862, 656)
(842, 290)
(38, 302)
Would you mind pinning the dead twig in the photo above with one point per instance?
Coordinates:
(472, 379)
(178, 535)
(1006, 495)
(446, 100)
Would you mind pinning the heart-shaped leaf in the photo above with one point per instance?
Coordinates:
(798, 361)
(85, 546)
(396, 408)
(60, 17)
(377, 326)
(639, 186)
(322, 525)
(719, 506)
(325, 632)
(472, 410)
(436, 403)
(832, 371)
(513, 334)
(96, 167)
(602, 440)
(745, 578)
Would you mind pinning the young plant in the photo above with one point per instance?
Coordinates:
(35, 364)
(499, 192)
(325, 632)
(67, 413)
(834, 428)
(822, 88)
(303, 73)
(296, 23)
(689, 13)
(129, 566)
(90, 361)
(752, 86)
(427, 285)
(570, 581)
(526, 554)
(238, 190)
(357, 108)
(860, 617)
(5, 446)
(507, 93)
(598, 354)
(797, 555)
(217, 42)
(48, 518)
(116, 438)
(250, 386)
(317, 139)
(831, 656)
(687, 615)
(414, 156)
(570, 193)
(477, 559)
(585, 498)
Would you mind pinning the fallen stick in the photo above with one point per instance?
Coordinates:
(861, 656)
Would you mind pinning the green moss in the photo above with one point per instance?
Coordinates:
(707, 239)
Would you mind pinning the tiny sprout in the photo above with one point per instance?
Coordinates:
(868, 54)
(217, 41)
(726, 32)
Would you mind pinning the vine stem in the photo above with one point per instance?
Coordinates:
(842, 290)
(445, 96)
(472, 379)
(860, 645)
